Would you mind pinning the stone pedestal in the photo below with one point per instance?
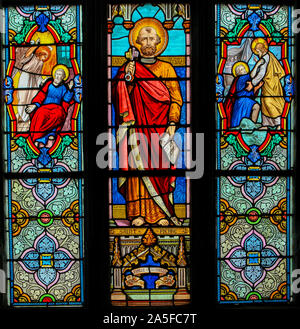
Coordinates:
(182, 296)
(118, 298)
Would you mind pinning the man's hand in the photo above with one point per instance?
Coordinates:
(30, 108)
(130, 68)
(171, 130)
(256, 88)
(250, 86)
(261, 62)
(42, 83)
(71, 84)
(260, 84)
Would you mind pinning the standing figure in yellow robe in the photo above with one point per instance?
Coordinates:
(269, 71)
(152, 101)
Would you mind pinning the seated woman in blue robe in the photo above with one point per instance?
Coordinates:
(240, 102)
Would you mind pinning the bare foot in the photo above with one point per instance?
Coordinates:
(163, 222)
(50, 141)
(139, 221)
(176, 221)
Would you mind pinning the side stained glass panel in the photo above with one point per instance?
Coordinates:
(42, 86)
(148, 95)
(255, 151)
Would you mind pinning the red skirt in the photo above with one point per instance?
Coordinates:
(45, 119)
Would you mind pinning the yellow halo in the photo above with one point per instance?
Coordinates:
(256, 41)
(157, 26)
(61, 67)
(237, 64)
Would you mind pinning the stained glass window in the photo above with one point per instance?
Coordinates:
(149, 70)
(43, 158)
(255, 151)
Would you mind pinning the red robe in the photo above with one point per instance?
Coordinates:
(47, 117)
(229, 102)
(146, 106)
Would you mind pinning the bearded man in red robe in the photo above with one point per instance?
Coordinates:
(150, 103)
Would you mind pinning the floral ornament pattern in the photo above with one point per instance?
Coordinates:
(253, 258)
(47, 298)
(33, 12)
(46, 260)
(253, 295)
(77, 88)
(252, 187)
(20, 296)
(226, 294)
(44, 189)
(8, 88)
(280, 293)
(73, 296)
(70, 217)
(20, 218)
(228, 216)
(278, 215)
(219, 88)
(253, 216)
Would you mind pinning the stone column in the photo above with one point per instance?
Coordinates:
(182, 295)
(117, 296)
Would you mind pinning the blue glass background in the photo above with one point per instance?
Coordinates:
(176, 44)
